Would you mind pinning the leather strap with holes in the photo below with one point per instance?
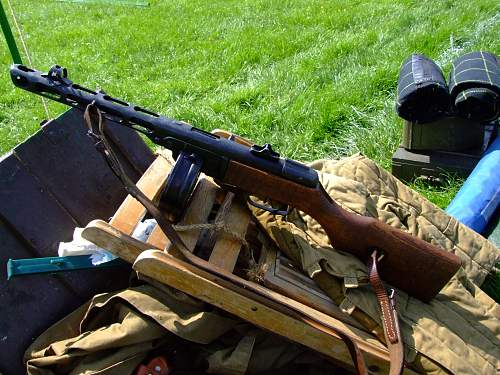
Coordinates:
(95, 124)
(390, 321)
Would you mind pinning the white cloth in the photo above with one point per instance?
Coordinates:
(80, 246)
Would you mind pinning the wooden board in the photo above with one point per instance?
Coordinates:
(27, 206)
(282, 277)
(108, 237)
(200, 207)
(63, 158)
(213, 290)
(227, 248)
(158, 239)
(151, 184)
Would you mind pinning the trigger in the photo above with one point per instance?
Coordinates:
(272, 210)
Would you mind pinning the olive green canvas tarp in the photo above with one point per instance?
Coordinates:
(115, 332)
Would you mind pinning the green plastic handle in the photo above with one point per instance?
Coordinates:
(30, 266)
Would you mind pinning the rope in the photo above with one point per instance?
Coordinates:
(25, 48)
(217, 226)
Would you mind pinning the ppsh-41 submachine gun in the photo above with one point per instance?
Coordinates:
(409, 263)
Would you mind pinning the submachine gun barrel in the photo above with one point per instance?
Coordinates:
(177, 136)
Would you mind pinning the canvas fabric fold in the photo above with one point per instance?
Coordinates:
(115, 332)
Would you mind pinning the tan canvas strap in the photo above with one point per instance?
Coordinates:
(390, 320)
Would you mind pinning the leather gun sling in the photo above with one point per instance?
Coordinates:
(103, 145)
(390, 321)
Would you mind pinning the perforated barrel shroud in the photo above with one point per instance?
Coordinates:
(422, 90)
(475, 86)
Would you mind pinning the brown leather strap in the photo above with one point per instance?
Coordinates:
(95, 124)
(389, 317)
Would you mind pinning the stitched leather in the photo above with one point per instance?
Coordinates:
(390, 320)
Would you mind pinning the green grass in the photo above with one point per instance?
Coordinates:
(491, 285)
(440, 193)
(314, 78)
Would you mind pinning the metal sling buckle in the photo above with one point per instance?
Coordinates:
(270, 209)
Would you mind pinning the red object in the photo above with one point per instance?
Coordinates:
(157, 366)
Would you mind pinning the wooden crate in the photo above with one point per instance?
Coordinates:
(157, 258)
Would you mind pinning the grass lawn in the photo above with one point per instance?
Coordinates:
(314, 78)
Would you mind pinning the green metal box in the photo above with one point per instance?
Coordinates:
(433, 165)
(447, 134)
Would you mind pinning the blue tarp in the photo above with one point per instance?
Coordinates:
(479, 197)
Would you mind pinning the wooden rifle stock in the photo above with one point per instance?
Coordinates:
(409, 263)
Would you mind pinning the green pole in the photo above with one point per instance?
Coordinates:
(9, 37)
(138, 3)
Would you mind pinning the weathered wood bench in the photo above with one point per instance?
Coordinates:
(49, 184)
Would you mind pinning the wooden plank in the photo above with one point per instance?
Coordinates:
(214, 290)
(283, 278)
(199, 208)
(119, 243)
(65, 161)
(151, 184)
(158, 239)
(227, 248)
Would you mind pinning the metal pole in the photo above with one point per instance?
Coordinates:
(9, 37)
(138, 3)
